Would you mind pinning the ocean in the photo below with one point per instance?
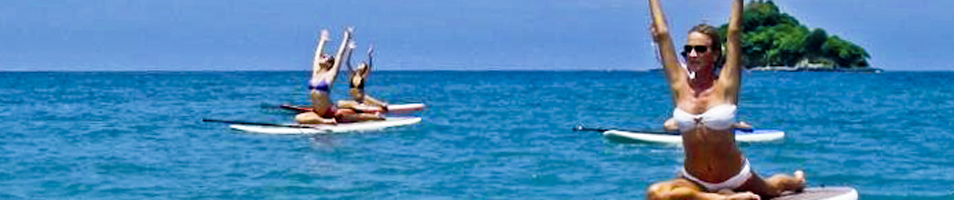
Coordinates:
(487, 134)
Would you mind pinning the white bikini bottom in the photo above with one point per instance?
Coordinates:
(732, 183)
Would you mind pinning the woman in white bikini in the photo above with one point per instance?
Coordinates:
(705, 110)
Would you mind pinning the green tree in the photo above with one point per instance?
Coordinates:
(771, 37)
(844, 53)
(815, 40)
(788, 44)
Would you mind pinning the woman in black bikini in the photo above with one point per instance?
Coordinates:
(362, 102)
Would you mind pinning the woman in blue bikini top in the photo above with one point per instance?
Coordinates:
(319, 87)
(705, 110)
(324, 71)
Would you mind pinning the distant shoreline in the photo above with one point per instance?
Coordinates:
(809, 69)
(818, 69)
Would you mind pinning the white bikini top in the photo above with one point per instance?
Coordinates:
(720, 117)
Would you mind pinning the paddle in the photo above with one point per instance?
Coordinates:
(273, 106)
(258, 123)
(287, 107)
(581, 128)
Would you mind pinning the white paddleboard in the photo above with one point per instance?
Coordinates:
(757, 135)
(822, 193)
(322, 128)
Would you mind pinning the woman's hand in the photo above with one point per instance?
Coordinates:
(658, 26)
(324, 35)
(656, 33)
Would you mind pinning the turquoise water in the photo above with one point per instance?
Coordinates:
(131, 135)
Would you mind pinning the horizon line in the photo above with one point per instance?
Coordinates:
(398, 70)
(305, 70)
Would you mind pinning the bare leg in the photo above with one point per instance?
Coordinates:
(348, 115)
(346, 104)
(369, 108)
(774, 186)
(349, 104)
(375, 102)
(311, 118)
(743, 196)
(684, 189)
(307, 118)
(782, 182)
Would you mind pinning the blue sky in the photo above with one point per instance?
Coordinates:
(424, 34)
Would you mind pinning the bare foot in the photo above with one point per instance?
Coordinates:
(799, 180)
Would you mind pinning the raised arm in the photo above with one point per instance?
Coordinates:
(667, 52)
(315, 66)
(351, 47)
(370, 60)
(731, 76)
(341, 55)
(370, 52)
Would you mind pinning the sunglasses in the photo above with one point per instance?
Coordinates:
(699, 49)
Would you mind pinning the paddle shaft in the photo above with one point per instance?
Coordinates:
(257, 123)
(581, 128)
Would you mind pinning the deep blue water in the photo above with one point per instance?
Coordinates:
(133, 135)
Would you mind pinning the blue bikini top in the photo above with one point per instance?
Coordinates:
(319, 85)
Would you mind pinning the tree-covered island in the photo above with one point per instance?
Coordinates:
(773, 40)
